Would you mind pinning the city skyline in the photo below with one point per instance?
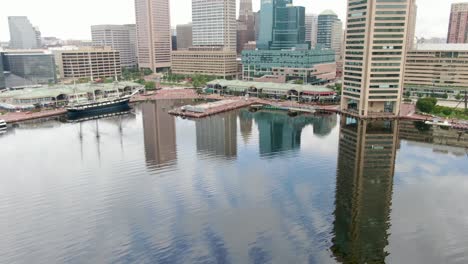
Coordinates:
(433, 15)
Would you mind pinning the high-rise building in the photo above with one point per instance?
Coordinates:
(325, 24)
(22, 33)
(153, 34)
(458, 24)
(257, 25)
(184, 36)
(245, 24)
(90, 63)
(337, 38)
(282, 26)
(411, 36)
(311, 29)
(214, 23)
(374, 57)
(120, 38)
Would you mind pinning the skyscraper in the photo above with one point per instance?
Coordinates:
(245, 24)
(287, 29)
(214, 23)
(326, 21)
(374, 57)
(153, 34)
(411, 36)
(120, 38)
(22, 33)
(458, 24)
(184, 36)
(311, 29)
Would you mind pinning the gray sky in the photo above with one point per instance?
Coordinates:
(71, 19)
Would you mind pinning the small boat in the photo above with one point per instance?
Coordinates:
(438, 123)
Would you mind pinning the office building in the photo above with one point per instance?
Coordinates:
(411, 35)
(184, 36)
(121, 38)
(153, 34)
(458, 24)
(311, 21)
(282, 26)
(245, 25)
(215, 61)
(92, 63)
(22, 33)
(337, 38)
(257, 25)
(33, 67)
(214, 23)
(374, 57)
(437, 70)
(364, 188)
(326, 22)
(2, 75)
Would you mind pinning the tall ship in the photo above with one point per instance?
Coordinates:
(98, 106)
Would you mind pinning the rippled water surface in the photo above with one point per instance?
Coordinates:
(238, 187)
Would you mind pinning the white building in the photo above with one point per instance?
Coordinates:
(22, 33)
(214, 23)
(121, 38)
(311, 21)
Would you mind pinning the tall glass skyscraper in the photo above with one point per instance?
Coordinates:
(282, 26)
(326, 22)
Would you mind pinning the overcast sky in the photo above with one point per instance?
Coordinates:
(71, 19)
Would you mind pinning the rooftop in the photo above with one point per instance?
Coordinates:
(242, 85)
(56, 90)
(328, 12)
(442, 47)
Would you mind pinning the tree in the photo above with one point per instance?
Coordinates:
(147, 71)
(445, 96)
(427, 104)
(150, 85)
(299, 81)
(198, 81)
(458, 96)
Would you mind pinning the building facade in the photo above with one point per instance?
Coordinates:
(259, 63)
(214, 23)
(184, 36)
(325, 24)
(374, 57)
(153, 34)
(413, 15)
(212, 61)
(37, 68)
(121, 38)
(22, 33)
(458, 24)
(311, 21)
(2, 75)
(245, 24)
(92, 63)
(437, 70)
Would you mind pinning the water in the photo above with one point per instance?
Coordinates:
(239, 187)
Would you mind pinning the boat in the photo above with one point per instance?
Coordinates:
(99, 107)
(438, 123)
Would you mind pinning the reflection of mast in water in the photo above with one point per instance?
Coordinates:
(81, 140)
(364, 186)
(121, 133)
(98, 141)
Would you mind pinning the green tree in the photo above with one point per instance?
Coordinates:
(447, 111)
(299, 81)
(147, 71)
(427, 104)
(150, 85)
(458, 96)
(198, 81)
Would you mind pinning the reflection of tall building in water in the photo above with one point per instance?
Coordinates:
(159, 132)
(366, 162)
(324, 124)
(218, 134)
(246, 124)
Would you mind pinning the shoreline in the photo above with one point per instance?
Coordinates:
(407, 110)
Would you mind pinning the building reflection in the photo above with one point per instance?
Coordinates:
(280, 133)
(246, 124)
(364, 185)
(218, 134)
(159, 132)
